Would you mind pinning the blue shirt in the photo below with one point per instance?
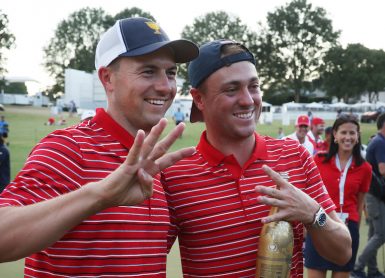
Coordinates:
(5, 169)
(3, 127)
(375, 153)
(179, 116)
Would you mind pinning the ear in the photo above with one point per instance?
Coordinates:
(197, 98)
(105, 75)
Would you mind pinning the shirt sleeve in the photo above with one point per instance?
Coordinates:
(315, 187)
(53, 168)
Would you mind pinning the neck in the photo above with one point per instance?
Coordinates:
(382, 131)
(301, 139)
(241, 149)
(344, 157)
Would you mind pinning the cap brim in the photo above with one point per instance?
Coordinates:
(184, 50)
(195, 115)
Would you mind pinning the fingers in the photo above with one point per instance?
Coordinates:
(276, 177)
(152, 138)
(270, 191)
(134, 154)
(171, 158)
(162, 147)
(278, 216)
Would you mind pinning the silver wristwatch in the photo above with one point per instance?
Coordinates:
(319, 218)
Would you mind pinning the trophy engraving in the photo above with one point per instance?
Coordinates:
(275, 248)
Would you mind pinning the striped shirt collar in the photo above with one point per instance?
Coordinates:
(215, 157)
(112, 127)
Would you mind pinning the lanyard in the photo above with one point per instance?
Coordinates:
(343, 178)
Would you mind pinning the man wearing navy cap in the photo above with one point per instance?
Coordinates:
(221, 195)
(85, 204)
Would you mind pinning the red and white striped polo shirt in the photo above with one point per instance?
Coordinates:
(125, 241)
(214, 209)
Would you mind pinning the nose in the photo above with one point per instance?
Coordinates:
(164, 84)
(246, 98)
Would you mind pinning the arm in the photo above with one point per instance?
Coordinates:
(381, 168)
(296, 205)
(28, 229)
(360, 203)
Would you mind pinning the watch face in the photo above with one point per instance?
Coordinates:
(322, 219)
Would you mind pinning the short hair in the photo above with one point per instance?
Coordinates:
(328, 130)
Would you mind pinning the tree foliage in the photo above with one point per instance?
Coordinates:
(213, 26)
(74, 43)
(349, 72)
(293, 45)
(17, 88)
(7, 40)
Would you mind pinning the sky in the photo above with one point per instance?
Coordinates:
(34, 22)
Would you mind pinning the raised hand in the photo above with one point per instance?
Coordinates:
(132, 182)
(293, 203)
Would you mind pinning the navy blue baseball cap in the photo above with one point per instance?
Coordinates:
(208, 62)
(139, 36)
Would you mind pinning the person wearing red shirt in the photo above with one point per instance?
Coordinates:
(85, 203)
(346, 176)
(221, 196)
(314, 135)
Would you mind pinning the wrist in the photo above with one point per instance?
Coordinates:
(319, 219)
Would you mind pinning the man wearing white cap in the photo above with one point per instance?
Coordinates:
(86, 204)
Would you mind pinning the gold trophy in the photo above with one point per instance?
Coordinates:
(275, 249)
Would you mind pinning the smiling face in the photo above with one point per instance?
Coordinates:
(140, 89)
(346, 136)
(230, 101)
(301, 131)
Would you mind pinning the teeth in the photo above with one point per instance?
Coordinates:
(156, 101)
(243, 115)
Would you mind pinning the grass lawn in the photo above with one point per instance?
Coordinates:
(27, 128)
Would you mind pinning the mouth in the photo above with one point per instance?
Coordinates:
(244, 115)
(347, 144)
(157, 102)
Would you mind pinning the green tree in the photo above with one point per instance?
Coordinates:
(212, 26)
(17, 88)
(293, 45)
(74, 43)
(375, 74)
(352, 71)
(7, 40)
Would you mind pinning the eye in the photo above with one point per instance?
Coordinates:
(254, 88)
(230, 90)
(172, 73)
(148, 71)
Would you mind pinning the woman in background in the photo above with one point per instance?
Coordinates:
(346, 176)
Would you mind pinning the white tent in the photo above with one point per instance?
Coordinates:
(292, 105)
(339, 105)
(362, 105)
(264, 103)
(379, 104)
(315, 105)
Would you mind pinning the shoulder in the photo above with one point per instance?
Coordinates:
(366, 166)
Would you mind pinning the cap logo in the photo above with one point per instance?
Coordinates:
(154, 26)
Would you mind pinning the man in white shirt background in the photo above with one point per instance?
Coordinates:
(302, 125)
